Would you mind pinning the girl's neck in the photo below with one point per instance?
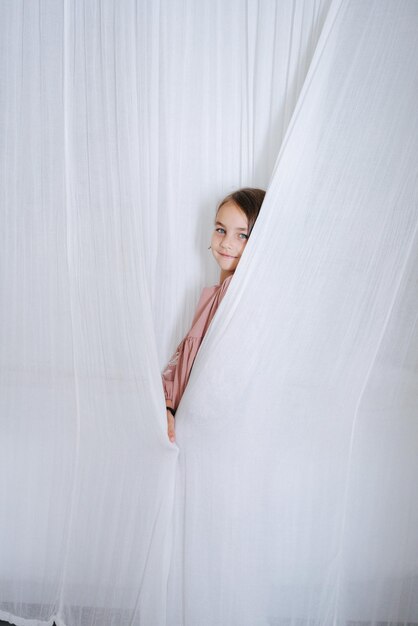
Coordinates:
(224, 274)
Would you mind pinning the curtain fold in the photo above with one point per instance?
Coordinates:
(289, 497)
(295, 487)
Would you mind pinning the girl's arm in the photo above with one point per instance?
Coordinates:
(168, 379)
(176, 375)
(169, 376)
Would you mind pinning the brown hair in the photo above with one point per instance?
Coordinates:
(249, 200)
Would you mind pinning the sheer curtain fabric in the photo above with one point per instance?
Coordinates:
(289, 497)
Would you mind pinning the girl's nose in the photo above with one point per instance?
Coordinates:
(226, 243)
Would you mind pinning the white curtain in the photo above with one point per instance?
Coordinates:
(290, 494)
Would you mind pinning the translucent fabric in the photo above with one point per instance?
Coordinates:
(289, 497)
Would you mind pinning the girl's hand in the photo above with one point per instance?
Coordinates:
(170, 427)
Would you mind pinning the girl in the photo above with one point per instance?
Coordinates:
(234, 220)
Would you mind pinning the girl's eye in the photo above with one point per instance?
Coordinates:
(220, 230)
(243, 236)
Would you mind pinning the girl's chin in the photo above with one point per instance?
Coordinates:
(227, 264)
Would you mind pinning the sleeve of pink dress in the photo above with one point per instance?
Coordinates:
(177, 372)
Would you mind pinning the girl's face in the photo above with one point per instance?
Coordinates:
(229, 237)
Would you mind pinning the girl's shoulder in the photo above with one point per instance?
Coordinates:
(212, 296)
(209, 300)
(218, 288)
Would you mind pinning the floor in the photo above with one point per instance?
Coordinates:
(6, 623)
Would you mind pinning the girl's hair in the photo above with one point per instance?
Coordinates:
(249, 200)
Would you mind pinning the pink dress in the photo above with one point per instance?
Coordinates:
(176, 374)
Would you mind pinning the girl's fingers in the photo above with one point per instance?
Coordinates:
(170, 426)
